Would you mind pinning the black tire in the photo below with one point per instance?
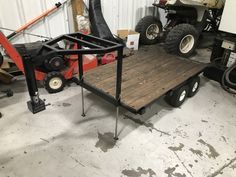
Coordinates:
(54, 82)
(175, 99)
(1, 59)
(194, 86)
(143, 25)
(178, 35)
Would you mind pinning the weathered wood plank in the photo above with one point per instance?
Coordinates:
(147, 75)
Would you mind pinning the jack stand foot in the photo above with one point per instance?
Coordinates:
(83, 115)
(36, 107)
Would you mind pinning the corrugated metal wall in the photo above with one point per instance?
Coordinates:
(15, 13)
(125, 14)
(119, 14)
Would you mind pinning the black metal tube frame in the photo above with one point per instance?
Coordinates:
(87, 44)
(95, 46)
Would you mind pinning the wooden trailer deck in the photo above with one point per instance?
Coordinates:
(146, 76)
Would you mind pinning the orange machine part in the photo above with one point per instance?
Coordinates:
(89, 61)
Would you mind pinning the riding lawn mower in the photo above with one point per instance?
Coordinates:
(53, 71)
(186, 21)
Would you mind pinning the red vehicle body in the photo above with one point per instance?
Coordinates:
(90, 61)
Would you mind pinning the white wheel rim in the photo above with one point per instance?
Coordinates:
(55, 83)
(195, 87)
(182, 96)
(186, 44)
(152, 31)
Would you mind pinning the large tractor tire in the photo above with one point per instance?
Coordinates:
(149, 28)
(182, 40)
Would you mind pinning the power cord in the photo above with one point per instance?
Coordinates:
(226, 83)
(30, 34)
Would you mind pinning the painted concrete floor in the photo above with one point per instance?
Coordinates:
(196, 140)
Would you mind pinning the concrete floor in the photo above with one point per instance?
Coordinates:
(196, 140)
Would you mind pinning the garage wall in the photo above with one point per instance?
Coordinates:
(119, 14)
(15, 13)
(123, 14)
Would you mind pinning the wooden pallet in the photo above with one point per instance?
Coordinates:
(147, 75)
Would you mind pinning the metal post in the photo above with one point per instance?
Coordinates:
(81, 79)
(117, 119)
(119, 73)
(81, 70)
(118, 87)
(82, 94)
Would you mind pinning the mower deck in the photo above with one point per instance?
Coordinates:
(146, 76)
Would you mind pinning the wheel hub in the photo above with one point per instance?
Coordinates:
(152, 31)
(195, 86)
(186, 44)
(182, 96)
(55, 83)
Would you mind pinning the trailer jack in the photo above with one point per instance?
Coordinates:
(35, 104)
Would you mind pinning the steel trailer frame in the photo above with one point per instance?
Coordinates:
(94, 45)
(86, 45)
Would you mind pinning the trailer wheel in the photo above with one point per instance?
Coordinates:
(54, 82)
(194, 86)
(182, 40)
(1, 59)
(149, 28)
(177, 98)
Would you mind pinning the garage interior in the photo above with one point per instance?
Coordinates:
(117, 88)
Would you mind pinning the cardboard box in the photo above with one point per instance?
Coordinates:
(131, 37)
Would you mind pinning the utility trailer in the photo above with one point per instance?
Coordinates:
(143, 79)
(132, 83)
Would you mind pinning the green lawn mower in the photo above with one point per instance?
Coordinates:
(186, 21)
